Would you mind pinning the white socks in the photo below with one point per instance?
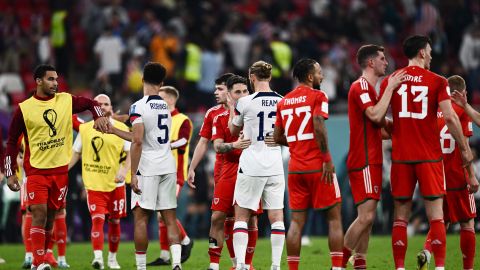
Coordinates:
(141, 260)
(240, 241)
(176, 251)
(277, 238)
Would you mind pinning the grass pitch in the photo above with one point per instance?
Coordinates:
(316, 256)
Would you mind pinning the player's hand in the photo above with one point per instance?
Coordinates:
(1, 177)
(472, 184)
(241, 143)
(460, 98)
(102, 124)
(467, 157)
(269, 140)
(12, 183)
(191, 179)
(121, 175)
(396, 79)
(134, 185)
(328, 172)
(230, 101)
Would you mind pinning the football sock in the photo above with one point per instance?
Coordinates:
(27, 239)
(346, 255)
(360, 261)
(37, 234)
(399, 242)
(97, 231)
(467, 245)
(438, 236)
(277, 239)
(293, 262)
(141, 260)
(252, 243)
(114, 235)
(240, 240)
(228, 233)
(61, 234)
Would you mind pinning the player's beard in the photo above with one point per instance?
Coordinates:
(316, 84)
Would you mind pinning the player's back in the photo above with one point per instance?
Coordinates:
(297, 109)
(258, 113)
(157, 158)
(414, 109)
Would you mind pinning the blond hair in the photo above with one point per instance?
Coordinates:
(171, 91)
(261, 69)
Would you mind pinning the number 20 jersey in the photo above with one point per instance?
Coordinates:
(295, 114)
(157, 157)
(414, 107)
(257, 113)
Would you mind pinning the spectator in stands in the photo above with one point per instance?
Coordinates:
(470, 56)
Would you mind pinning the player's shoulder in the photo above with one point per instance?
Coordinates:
(213, 110)
(361, 84)
(271, 94)
(221, 116)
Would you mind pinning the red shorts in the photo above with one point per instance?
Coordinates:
(23, 196)
(459, 206)
(430, 177)
(112, 203)
(47, 189)
(366, 184)
(310, 191)
(223, 195)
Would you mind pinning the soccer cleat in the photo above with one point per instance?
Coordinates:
(50, 259)
(423, 260)
(186, 251)
(113, 264)
(27, 264)
(97, 263)
(159, 261)
(63, 265)
(44, 266)
(177, 267)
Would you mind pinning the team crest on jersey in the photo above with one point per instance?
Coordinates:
(40, 252)
(31, 195)
(376, 189)
(216, 200)
(93, 207)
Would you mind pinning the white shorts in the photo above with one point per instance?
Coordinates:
(158, 192)
(249, 190)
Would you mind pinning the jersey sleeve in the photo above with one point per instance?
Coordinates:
(135, 114)
(239, 113)
(362, 97)
(444, 90)
(77, 145)
(467, 126)
(278, 119)
(217, 129)
(383, 86)
(321, 105)
(206, 129)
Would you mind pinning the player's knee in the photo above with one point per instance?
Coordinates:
(366, 218)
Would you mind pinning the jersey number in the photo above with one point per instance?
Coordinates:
(301, 136)
(446, 137)
(422, 98)
(261, 120)
(163, 126)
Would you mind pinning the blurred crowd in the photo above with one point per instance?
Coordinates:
(100, 46)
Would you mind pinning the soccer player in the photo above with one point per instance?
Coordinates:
(153, 169)
(222, 204)
(260, 171)
(199, 153)
(180, 135)
(459, 203)
(45, 120)
(312, 182)
(366, 114)
(416, 151)
(104, 181)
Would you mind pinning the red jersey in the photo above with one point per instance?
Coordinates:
(365, 136)
(206, 132)
(414, 107)
(455, 174)
(220, 131)
(294, 114)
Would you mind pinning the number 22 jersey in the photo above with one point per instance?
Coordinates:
(295, 114)
(157, 157)
(414, 107)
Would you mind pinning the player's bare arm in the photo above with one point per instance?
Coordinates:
(279, 136)
(136, 153)
(75, 158)
(321, 138)
(123, 170)
(377, 113)
(102, 124)
(472, 180)
(453, 123)
(126, 135)
(461, 100)
(198, 155)
(221, 147)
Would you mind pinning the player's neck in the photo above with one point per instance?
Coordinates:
(309, 85)
(370, 76)
(150, 90)
(416, 62)
(262, 86)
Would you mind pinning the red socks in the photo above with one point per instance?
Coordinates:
(97, 232)
(228, 231)
(428, 241)
(61, 234)
(293, 262)
(467, 245)
(183, 233)
(337, 258)
(399, 242)
(37, 234)
(27, 239)
(162, 230)
(360, 262)
(438, 236)
(252, 243)
(113, 235)
(346, 255)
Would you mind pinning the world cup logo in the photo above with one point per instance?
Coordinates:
(97, 144)
(50, 117)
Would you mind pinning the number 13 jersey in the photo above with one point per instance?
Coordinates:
(414, 107)
(256, 113)
(157, 157)
(295, 114)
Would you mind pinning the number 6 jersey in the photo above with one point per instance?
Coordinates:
(157, 157)
(414, 107)
(295, 114)
(256, 113)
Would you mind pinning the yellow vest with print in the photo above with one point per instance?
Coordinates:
(100, 157)
(177, 121)
(49, 130)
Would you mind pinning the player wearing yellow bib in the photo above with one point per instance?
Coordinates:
(103, 177)
(180, 134)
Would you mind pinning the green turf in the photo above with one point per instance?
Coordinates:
(79, 255)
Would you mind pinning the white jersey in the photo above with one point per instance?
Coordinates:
(257, 113)
(157, 157)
